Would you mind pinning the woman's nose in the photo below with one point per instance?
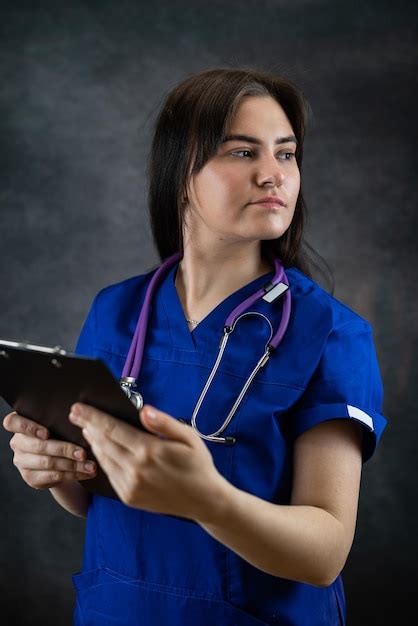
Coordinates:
(269, 169)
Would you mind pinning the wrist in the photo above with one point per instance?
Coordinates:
(217, 503)
(72, 497)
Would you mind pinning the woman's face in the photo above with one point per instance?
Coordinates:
(223, 195)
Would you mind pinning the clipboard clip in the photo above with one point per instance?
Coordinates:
(59, 350)
(29, 346)
(56, 350)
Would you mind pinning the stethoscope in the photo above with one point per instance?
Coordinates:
(271, 291)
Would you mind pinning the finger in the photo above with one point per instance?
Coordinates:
(15, 423)
(109, 453)
(50, 447)
(169, 427)
(116, 462)
(47, 479)
(127, 436)
(116, 477)
(27, 461)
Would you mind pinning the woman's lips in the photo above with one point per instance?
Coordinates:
(270, 201)
(276, 204)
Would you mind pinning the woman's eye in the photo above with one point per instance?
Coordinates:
(287, 154)
(240, 151)
(284, 156)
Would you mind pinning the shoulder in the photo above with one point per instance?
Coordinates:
(113, 315)
(127, 285)
(125, 292)
(311, 303)
(118, 306)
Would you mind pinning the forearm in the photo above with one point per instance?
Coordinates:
(72, 497)
(302, 543)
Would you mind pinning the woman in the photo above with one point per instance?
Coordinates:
(273, 512)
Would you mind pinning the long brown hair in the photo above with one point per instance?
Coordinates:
(193, 119)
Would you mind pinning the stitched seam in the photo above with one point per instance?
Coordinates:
(176, 591)
(339, 608)
(80, 612)
(168, 322)
(365, 326)
(208, 367)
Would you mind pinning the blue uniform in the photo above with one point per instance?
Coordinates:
(147, 569)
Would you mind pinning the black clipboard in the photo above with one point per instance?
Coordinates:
(41, 383)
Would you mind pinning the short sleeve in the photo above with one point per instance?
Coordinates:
(346, 385)
(86, 341)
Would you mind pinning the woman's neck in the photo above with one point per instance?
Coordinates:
(203, 281)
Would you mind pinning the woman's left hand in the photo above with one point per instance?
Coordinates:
(172, 474)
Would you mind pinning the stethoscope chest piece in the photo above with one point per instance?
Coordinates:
(127, 383)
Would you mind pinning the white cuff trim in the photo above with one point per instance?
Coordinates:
(360, 415)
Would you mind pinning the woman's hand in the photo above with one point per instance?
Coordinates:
(44, 463)
(171, 473)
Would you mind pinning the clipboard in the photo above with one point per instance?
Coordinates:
(41, 383)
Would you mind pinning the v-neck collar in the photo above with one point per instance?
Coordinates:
(202, 337)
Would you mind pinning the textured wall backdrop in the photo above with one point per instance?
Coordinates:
(79, 86)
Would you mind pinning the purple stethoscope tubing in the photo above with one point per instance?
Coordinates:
(134, 359)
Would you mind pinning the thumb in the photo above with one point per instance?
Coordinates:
(163, 424)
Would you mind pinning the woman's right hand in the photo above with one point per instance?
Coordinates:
(42, 462)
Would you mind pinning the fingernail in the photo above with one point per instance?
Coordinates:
(42, 434)
(72, 417)
(152, 415)
(75, 409)
(78, 454)
(89, 466)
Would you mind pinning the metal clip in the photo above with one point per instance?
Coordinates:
(59, 350)
(274, 291)
(135, 397)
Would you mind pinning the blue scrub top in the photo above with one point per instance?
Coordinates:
(147, 569)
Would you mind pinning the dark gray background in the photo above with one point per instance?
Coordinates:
(79, 86)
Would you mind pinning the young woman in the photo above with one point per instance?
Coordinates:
(242, 510)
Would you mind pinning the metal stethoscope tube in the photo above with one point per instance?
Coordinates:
(228, 330)
(274, 289)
